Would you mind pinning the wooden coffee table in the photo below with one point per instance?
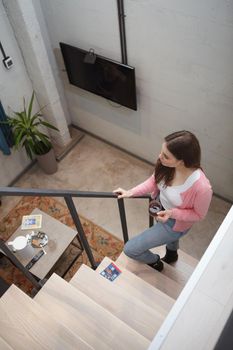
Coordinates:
(60, 236)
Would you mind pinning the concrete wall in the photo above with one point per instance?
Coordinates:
(51, 58)
(14, 84)
(183, 54)
(30, 31)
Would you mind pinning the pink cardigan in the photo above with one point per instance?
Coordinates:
(195, 201)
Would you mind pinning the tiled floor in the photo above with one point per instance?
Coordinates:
(93, 165)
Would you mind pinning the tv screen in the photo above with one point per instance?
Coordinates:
(110, 79)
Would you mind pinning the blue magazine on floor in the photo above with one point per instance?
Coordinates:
(111, 272)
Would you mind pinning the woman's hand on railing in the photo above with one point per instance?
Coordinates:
(121, 193)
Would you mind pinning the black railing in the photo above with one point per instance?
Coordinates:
(68, 196)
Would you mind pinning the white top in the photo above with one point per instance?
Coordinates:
(170, 196)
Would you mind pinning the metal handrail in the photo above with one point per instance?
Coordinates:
(68, 196)
(18, 191)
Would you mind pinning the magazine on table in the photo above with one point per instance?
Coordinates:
(31, 222)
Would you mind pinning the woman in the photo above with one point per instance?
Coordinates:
(184, 193)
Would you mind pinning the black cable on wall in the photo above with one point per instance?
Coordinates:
(121, 18)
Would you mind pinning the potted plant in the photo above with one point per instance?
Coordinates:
(26, 128)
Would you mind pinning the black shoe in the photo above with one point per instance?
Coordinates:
(158, 265)
(170, 256)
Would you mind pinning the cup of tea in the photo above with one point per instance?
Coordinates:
(21, 246)
(19, 243)
(154, 207)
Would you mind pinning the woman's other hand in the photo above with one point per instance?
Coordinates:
(121, 193)
(164, 215)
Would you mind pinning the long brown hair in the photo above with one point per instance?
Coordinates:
(184, 146)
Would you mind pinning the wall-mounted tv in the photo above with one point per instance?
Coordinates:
(107, 78)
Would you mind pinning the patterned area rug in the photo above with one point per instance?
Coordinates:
(101, 242)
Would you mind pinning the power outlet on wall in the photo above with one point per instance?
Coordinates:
(8, 62)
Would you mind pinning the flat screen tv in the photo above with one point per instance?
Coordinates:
(107, 78)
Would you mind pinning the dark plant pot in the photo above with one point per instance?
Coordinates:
(47, 162)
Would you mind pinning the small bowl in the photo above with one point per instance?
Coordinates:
(38, 239)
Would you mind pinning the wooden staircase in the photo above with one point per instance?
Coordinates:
(92, 312)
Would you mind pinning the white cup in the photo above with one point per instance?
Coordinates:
(20, 245)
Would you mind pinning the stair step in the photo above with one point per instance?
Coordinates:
(118, 301)
(83, 316)
(181, 270)
(24, 324)
(140, 289)
(4, 345)
(178, 276)
(185, 262)
(151, 276)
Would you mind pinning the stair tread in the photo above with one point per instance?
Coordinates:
(24, 324)
(185, 260)
(4, 345)
(96, 325)
(181, 277)
(140, 289)
(118, 301)
(153, 277)
(181, 270)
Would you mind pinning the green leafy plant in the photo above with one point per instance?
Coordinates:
(26, 130)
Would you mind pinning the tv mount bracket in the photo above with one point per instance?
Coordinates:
(90, 57)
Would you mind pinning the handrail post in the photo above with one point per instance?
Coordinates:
(121, 207)
(82, 236)
(18, 264)
(151, 219)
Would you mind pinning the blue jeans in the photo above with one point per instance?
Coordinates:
(138, 247)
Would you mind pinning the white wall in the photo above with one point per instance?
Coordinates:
(183, 54)
(14, 84)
